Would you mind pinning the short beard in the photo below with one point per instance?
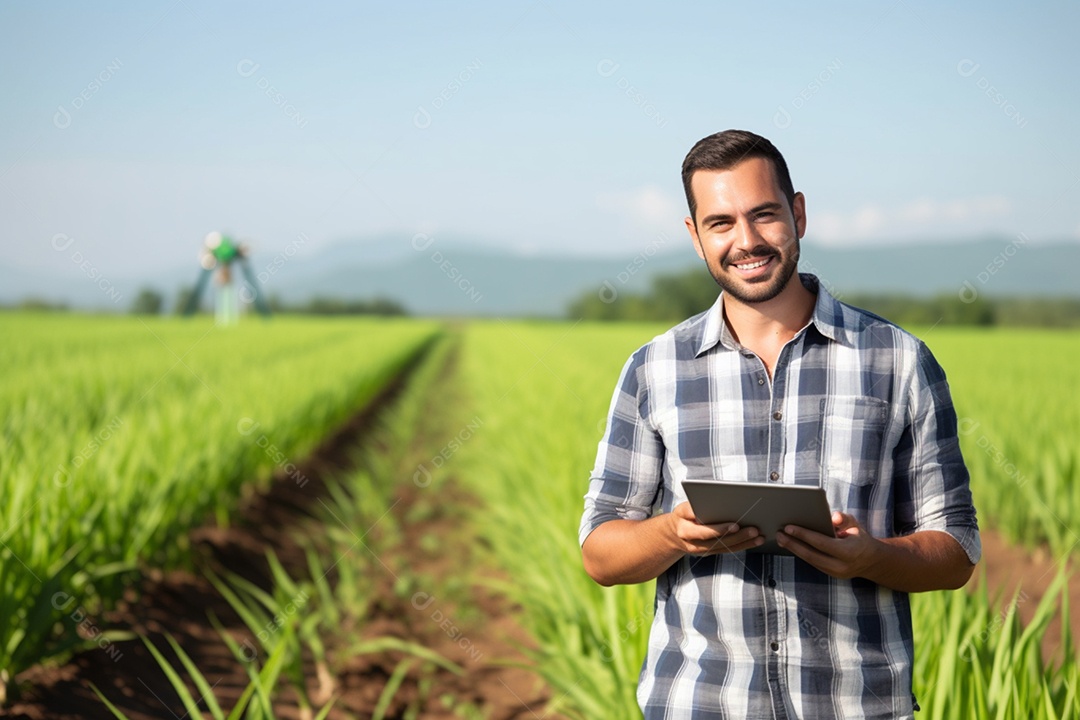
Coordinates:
(751, 293)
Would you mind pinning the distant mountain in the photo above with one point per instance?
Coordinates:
(450, 276)
(991, 267)
(447, 281)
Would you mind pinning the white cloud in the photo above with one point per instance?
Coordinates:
(648, 205)
(921, 217)
(869, 220)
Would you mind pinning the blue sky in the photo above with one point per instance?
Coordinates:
(133, 129)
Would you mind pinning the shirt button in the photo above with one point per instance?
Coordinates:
(772, 582)
(774, 646)
(761, 381)
(777, 415)
(774, 475)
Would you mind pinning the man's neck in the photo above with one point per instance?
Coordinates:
(766, 324)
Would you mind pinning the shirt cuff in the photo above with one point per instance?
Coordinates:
(598, 513)
(966, 535)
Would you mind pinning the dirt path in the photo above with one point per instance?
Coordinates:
(451, 614)
(1014, 571)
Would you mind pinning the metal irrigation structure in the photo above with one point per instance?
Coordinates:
(220, 252)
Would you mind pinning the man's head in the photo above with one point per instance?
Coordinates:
(745, 217)
(724, 150)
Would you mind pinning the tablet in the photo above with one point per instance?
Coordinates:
(766, 506)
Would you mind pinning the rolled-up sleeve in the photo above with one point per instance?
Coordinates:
(933, 491)
(627, 476)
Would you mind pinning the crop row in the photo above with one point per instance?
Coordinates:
(120, 435)
(346, 613)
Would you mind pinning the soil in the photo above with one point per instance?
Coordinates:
(1011, 571)
(467, 623)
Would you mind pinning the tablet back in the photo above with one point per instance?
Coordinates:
(766, 506)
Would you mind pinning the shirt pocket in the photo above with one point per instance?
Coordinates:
(852, 431)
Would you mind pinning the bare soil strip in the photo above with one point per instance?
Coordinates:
(1013, 571)
(468, 624)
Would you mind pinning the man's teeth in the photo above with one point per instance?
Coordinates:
(753, 265)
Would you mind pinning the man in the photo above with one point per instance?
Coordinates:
(777, 382)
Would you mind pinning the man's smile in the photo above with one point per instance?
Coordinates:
(753, 266)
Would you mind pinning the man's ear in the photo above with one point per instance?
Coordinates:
(798, 209)
(692, 228)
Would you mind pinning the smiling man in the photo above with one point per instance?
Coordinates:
(777, 382)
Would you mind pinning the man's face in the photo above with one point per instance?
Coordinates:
(744, 229)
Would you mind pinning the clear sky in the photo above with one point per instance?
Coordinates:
(133, 129)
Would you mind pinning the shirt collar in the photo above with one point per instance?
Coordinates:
(828, 318)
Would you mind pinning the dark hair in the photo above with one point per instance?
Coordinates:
(725, 150)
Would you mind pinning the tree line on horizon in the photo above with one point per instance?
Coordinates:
(676, 296)
(149, 301)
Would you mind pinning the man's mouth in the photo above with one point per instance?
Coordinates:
(753, 266)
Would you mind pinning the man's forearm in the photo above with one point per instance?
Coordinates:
(926, 560)
(635, 551)
(630, 551)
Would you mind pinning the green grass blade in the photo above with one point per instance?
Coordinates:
(181, 689)
(391, 687)
(112, 708)
(384, 644)
(205, 691)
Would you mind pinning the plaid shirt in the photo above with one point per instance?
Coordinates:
(857, 406)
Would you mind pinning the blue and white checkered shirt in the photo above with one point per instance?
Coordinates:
(855, 405)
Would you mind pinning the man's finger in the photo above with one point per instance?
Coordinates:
(822, 561)
(824, 543)
(732, 544)
(843, 521)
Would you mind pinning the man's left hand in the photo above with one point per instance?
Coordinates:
(850, 554)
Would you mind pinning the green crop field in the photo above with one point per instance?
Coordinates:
(122, 435)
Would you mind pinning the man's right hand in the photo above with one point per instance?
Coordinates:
(699, 539)
(634, 551)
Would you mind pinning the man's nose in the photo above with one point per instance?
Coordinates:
(747, 236)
